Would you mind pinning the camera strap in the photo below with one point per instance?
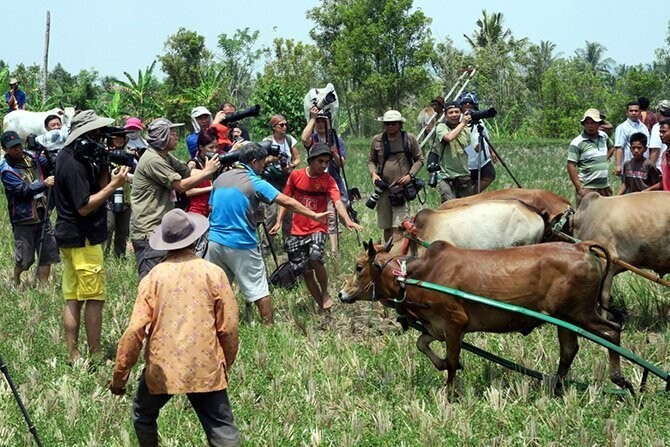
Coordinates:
(387, 150)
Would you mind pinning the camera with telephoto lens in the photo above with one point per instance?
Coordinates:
(380, 187)
(478, 115)
(234, 117)
(234, 156)
(433, 167)
(95, 153)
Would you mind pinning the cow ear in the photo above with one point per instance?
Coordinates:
(371, 251)
(388, 245)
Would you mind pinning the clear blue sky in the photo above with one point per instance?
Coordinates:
(124, 35)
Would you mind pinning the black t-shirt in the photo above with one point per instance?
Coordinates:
(74, 186)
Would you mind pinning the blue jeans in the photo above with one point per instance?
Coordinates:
(213, 410)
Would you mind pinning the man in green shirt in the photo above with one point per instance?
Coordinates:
(453, 137)
(157, 176)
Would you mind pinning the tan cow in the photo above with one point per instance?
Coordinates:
(559, 279)
(547, 204)
(634, 227)
(494, 224)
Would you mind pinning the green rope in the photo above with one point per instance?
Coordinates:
(540, 316)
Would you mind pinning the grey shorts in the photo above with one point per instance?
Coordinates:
(146, 257)
(302, 249)
(26, 244)
(244, 265)
(455, 188)
(390, 216)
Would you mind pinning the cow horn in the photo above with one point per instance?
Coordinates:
(388, 245)
(371, 251)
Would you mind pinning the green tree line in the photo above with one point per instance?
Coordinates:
(379, 54)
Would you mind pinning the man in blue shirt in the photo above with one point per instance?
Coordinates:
(15, 98)
(233, 243)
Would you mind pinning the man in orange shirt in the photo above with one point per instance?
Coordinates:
(192, 336)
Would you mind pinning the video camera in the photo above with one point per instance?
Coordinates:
(478, 115)
(234, 117)
(93, 151)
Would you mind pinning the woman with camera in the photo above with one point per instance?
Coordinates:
(198, 197)
(279, 168)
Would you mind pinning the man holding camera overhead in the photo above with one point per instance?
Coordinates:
(157, 176)
(83, 183)
(448, 160)
(394, 160)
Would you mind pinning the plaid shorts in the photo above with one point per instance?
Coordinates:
(302, 249)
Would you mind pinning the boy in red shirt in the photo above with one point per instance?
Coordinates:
(313, 187)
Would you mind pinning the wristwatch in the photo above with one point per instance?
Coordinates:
(412, 175)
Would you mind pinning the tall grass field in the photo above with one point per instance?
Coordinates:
(351, 378)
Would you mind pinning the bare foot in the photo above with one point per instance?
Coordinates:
(326, 303)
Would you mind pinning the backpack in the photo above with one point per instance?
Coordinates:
(387, 150)
(285, 276)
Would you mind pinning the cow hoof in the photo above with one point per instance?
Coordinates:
(621, 381)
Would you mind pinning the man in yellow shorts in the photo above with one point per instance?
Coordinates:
(83, 185)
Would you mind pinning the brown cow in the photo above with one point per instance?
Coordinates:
(558, 279)
(550, 206)
(634, 227)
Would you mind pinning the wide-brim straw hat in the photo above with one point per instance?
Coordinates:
(86, 121)
(178, 229)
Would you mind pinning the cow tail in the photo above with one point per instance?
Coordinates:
(594, 248)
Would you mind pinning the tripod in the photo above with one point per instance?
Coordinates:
(31, 426)
(481, 139)
(334, 139)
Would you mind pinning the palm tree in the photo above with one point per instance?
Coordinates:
(490, 31)
(592, 56)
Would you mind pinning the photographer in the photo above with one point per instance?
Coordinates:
(82, 185)
(279, 168)
(201, 119)
(394, 160)
(25, 184)
(449, 155)
(15, 97)
(233, 245)
(480, 163)
(157, 176)
(118, 206)
(316, 131)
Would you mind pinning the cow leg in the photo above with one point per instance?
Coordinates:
(611, 332)
(423, 343)
(453, 340)
(606, 292)
(568, 345)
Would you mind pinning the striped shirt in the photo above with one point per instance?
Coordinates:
(590, 156)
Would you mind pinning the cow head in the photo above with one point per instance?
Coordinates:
(66, 116)
(367, 271)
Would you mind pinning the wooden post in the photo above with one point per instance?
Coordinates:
(45, 66)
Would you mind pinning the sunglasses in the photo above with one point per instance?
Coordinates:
(392, 123)
(282, 125)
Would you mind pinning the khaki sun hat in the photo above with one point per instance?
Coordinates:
(391, 116)
(86, 121)
(594, 114)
